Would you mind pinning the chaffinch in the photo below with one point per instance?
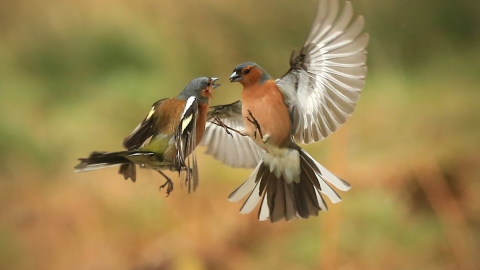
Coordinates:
(165, 139)
(307, 104)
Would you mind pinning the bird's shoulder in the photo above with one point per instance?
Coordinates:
(162, 118)
(170, 107)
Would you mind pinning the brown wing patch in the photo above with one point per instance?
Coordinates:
(168, 116)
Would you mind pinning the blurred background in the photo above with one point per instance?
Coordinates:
(78, 76)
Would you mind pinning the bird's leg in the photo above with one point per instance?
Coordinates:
(227, 128)
(221, 124)
(257, 127)
(168, 183)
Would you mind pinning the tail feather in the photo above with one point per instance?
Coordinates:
(306, 197)
(311, 188)
(276, 200)
(101, 160)
(263, 213)
(282, 202)
(325, 174)
(247, 186)
(282, 198)
(252, 200)
(289, 201)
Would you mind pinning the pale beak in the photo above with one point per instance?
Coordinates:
(235, 77)
(215, 85)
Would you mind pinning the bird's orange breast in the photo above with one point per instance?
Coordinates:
(201, 120)
(266, 104)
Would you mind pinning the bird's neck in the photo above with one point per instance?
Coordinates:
(200, 98)
(248, 85)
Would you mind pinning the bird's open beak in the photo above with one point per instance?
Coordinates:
(235, 77)
(215, 85)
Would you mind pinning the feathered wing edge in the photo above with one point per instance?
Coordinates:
(185, 141)
(280, 199)
(141, 134)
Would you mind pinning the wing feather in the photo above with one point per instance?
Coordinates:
(234, 150)
(143, 132)
(325, 79)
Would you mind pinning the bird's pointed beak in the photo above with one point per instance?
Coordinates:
(215, 85)
(235, 77)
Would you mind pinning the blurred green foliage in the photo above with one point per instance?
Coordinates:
(77, 76)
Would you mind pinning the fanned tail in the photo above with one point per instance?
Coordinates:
(289, 187)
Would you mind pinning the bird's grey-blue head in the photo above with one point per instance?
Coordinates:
(201, 88)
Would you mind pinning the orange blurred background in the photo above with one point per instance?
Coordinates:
(78, 76)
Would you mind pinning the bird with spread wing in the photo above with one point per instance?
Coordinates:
(307, 104)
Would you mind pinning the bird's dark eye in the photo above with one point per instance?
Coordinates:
(246, 71)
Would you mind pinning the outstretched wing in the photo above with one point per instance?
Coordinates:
(325, 79)
(232, 149)
(143, 132)
(185, 142)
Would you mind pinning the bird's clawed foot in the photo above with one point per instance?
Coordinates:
(168, 183)
(220, 123)
(265, 138)
(257, 127)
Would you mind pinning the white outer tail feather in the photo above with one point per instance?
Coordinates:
(93, 167)
(246, 187)
(330, 177)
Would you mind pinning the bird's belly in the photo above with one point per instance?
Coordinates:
(274, 122)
